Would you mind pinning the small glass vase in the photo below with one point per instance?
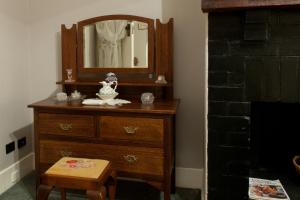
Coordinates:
(147, 98)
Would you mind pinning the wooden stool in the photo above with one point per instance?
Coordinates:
(79, 173)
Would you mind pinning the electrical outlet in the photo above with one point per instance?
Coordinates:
(10, 147)
(21, 142)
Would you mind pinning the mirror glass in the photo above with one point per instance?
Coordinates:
(115, 44)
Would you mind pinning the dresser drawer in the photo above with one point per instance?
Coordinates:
(137, 160)
(62, 124)
(132, 128)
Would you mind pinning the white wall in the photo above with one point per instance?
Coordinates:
(14, 82)
(46, 18)
(189, 76)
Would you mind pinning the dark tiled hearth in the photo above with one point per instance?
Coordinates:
(25, 190)
(254, 55)
(274, 143)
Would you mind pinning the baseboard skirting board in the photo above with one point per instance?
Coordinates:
(12, 174)
(189, 178)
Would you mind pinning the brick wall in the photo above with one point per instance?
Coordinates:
(253, 56)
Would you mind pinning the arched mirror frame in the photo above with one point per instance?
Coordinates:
(80, 40)
(134, 81)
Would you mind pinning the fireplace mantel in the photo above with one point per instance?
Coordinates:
(222, 5)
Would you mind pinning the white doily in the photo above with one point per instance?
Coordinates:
(111, 102)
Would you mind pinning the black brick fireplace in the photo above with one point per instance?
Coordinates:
(254, 93)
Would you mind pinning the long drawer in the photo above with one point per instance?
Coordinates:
(138, 160)
(132, 129)
(70, 125)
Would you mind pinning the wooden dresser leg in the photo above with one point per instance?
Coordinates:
(112, 186)
(167, 195)
(43, 192)
(173, 185)
(96, 195)
(167, 189)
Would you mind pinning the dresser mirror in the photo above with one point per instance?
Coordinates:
(116, 43)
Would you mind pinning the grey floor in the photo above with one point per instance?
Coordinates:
(25, 190)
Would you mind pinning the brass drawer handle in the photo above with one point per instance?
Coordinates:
(130, 158)
(65, 127)
(66, 153)
(130, 129)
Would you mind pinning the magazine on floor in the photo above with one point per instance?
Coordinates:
(264, 189)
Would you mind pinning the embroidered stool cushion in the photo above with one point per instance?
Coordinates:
(79, 173)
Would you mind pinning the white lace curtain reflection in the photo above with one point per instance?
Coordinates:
(109, 49)
(115, 43)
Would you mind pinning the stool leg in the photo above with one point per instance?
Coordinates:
(43, 192)
(103, 193)
(112, 185)
(63, 194)
(96, 195)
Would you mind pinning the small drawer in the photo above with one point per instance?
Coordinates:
(137, 160)
(70, 125)
(132, 128)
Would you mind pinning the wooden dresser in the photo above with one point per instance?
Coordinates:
(137, 138)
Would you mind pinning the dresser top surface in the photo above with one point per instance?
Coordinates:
(158, 107)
